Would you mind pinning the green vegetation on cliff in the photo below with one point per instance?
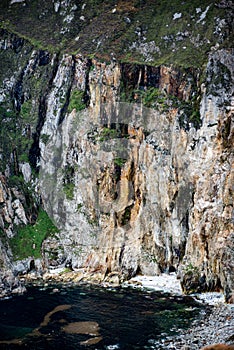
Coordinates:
(28, 240)
(76, 101)
(142, 31)
(24, 75)
(15, 139)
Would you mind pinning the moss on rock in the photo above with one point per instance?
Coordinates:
(28, 240)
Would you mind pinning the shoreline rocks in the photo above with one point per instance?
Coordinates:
(216, 327)
(10, 285)
(215, 324)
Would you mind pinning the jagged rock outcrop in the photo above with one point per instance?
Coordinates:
(135, 163)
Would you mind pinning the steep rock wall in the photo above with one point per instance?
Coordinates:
(210, 241)
(151, 189)
(135, 164)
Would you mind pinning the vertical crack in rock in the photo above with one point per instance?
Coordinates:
(35, 151)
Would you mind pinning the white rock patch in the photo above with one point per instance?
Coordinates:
(16, 1)
(203, 15)
(169, 283)
(177, 15)
(165, 283)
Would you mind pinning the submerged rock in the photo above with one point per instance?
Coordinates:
(85, 327)
(93, 341)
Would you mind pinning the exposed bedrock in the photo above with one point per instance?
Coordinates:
(136, 165)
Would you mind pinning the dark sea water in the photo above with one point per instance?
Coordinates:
(88, 317)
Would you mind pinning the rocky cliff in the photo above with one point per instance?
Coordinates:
(132, 161)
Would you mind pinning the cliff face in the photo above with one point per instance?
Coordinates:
(137, 189)
(133, 163)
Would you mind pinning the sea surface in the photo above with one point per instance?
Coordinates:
(89, 317)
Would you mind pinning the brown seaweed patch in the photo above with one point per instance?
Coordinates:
(56, 309)
(62, 320)
(12, 341)
(36, 332)
(91, 341)
(86, 327)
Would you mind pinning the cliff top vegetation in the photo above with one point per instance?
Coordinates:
(139, 31)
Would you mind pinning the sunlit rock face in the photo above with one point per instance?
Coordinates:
(137, 189)
(136, 165)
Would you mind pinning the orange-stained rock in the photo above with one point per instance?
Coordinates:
(218, 347)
